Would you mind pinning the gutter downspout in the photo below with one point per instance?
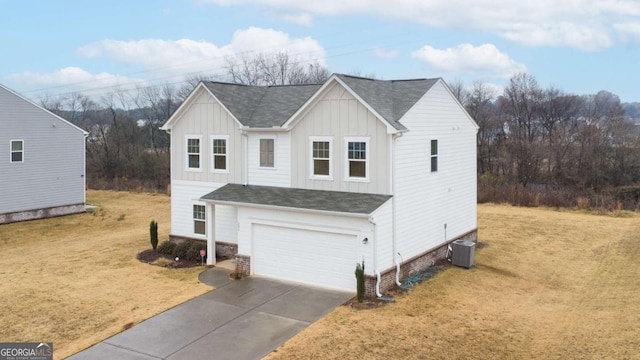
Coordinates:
(393, 208)
(245, 158)
(375, 257)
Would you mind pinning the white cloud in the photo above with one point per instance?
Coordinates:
(485, 61)
(302, 18)
(384, 53)
(582, 24)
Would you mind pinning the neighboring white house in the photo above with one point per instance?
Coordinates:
(42, 161)
(302, 182)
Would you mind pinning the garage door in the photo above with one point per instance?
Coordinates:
(313, 257)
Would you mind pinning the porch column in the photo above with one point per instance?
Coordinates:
(211, 233)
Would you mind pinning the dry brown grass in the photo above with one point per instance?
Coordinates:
(74, 280)
(548, 285)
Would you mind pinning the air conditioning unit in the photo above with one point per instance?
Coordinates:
(463, 253)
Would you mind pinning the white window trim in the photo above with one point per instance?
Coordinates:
(436, 156)
(11, 151)
(367, 161)
(193, 219)
(186, 153)
(275, 152)
(213, 159)
(331, 151)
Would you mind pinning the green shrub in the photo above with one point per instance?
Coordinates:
(193, 253)
(360, 281)
(153, 234)
(166, 247)
(181, 249)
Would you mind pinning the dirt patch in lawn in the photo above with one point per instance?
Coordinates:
(153, 257)
(548, 285)
(75, 280)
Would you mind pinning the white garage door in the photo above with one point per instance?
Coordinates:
(312, 257)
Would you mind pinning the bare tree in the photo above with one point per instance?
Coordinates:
(276, 69)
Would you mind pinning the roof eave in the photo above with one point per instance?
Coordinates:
(288, 208)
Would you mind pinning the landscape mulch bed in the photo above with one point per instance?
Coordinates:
(150, 256)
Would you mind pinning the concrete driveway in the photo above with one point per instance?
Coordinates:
(241, 319)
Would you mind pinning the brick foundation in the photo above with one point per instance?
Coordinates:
(223, 250)
(42, 213)
(412, 266)
(243, 265)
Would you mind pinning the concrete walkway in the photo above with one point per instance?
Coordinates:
(241, 319)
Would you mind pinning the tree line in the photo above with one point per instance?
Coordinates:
(536, 146)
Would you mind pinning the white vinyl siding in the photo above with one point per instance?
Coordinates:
(185, 194)
(383, 218)
(425, 201)
(279, 175)
(338, 114)
(356, 159)
(193, 152)
(219, 153)
(321, 155)
(52, 171)
(16, 151)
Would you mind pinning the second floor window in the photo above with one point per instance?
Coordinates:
(357, 159)
(267, 151)
(321, 157)
(17, 151)
(193, 153)
(219, 153)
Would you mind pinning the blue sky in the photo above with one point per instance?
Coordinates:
(62, 46)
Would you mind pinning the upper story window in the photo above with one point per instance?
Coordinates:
(267, 153)
(17, 151)
(321, 156)
(434, 155)
(193, 152)
(357, 159)
(219, 155)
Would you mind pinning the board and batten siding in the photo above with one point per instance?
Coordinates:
(279, 175)
(204, 117)
(185, 194)
(339, 115)
(53, 171)
(425, 201)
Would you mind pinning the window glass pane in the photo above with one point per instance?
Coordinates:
(16, 157)
(357, 169)
(194, 161)
(198, 212)
(357, 150)
(16, 146)
(321, 167)
(219, 146)
(434, 147)
(266, 152)
(193, 146)
(434, 163)
(321, 149)
(220, 162)
(199, 227)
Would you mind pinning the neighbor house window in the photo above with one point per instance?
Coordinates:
(199, 222)
(220, 148)
(321, 157)
(267, 152)
(357, 162)
(17, 151)
(193, 152)
(434, 155)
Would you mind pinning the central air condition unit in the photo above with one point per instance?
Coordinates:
(462, 253)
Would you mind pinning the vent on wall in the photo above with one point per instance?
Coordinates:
(463, 253)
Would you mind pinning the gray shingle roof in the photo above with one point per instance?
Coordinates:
(390, 98)
(261, 106)
(269, 106)
(335, 201)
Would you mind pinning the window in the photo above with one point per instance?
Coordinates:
(434, 155)
(219, 145)
(17, 151)
(320, 166)
(199, 222)
(357, 164)
(267, 152)
(193, 153)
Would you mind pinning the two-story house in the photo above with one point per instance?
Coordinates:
(42, 161)
(302, 182)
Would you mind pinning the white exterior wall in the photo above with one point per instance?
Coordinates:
(360, 227)
(280, 174)
(339, 115)
(426, 201)
(53, 171)
(185, 194)
(204, 116)
(383, 218)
